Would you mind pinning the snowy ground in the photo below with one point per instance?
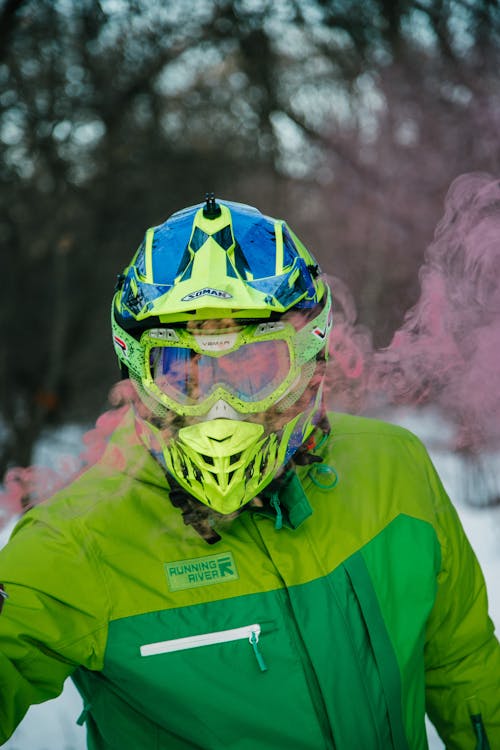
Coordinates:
(52, 726)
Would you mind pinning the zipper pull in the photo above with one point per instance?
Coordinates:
(480, 732)
(274, 502)
(254, 640)
(83, 716)
(482, 742)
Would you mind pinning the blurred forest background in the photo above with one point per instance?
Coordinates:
(349, 119)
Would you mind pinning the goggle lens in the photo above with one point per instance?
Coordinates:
(251, 373)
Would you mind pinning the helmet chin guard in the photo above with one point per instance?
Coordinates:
(226, 463)
(222, 462)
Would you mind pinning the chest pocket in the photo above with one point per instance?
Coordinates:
(250, 633)
(205, 672)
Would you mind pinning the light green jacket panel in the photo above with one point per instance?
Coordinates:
(57, 613)
(462, 655)
(51, 623)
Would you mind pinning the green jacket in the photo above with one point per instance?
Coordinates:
(337, 630)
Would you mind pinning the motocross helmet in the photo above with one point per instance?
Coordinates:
(221, 322)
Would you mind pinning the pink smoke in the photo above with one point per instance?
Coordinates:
(24, 487)
(450, 341)
(447, 353)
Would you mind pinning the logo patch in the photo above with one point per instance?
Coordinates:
(319, 332)
(121, 343)
(207, 291)
(216, 342)
(201, 571)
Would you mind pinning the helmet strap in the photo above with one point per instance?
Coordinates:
(303, 456)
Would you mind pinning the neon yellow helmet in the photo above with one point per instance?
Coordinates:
(221, 321)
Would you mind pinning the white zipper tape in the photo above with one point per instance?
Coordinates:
(204, 639)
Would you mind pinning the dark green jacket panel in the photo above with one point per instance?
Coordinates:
(344, 657)
(318, 662)
(212, 694)
(400, 564)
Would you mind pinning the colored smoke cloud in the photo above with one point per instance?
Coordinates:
(447, 352)
(452, 335)
(24, 487)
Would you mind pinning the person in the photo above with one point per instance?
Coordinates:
(242, 569)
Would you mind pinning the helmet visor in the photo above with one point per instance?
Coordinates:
(250, 373)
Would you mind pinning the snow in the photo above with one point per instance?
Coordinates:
(53, 724)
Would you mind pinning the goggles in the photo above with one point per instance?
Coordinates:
(249, 367)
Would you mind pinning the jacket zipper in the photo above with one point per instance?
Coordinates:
(317, 697)
(247, 632)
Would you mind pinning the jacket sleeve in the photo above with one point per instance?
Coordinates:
(462, 653)
(51, 622)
